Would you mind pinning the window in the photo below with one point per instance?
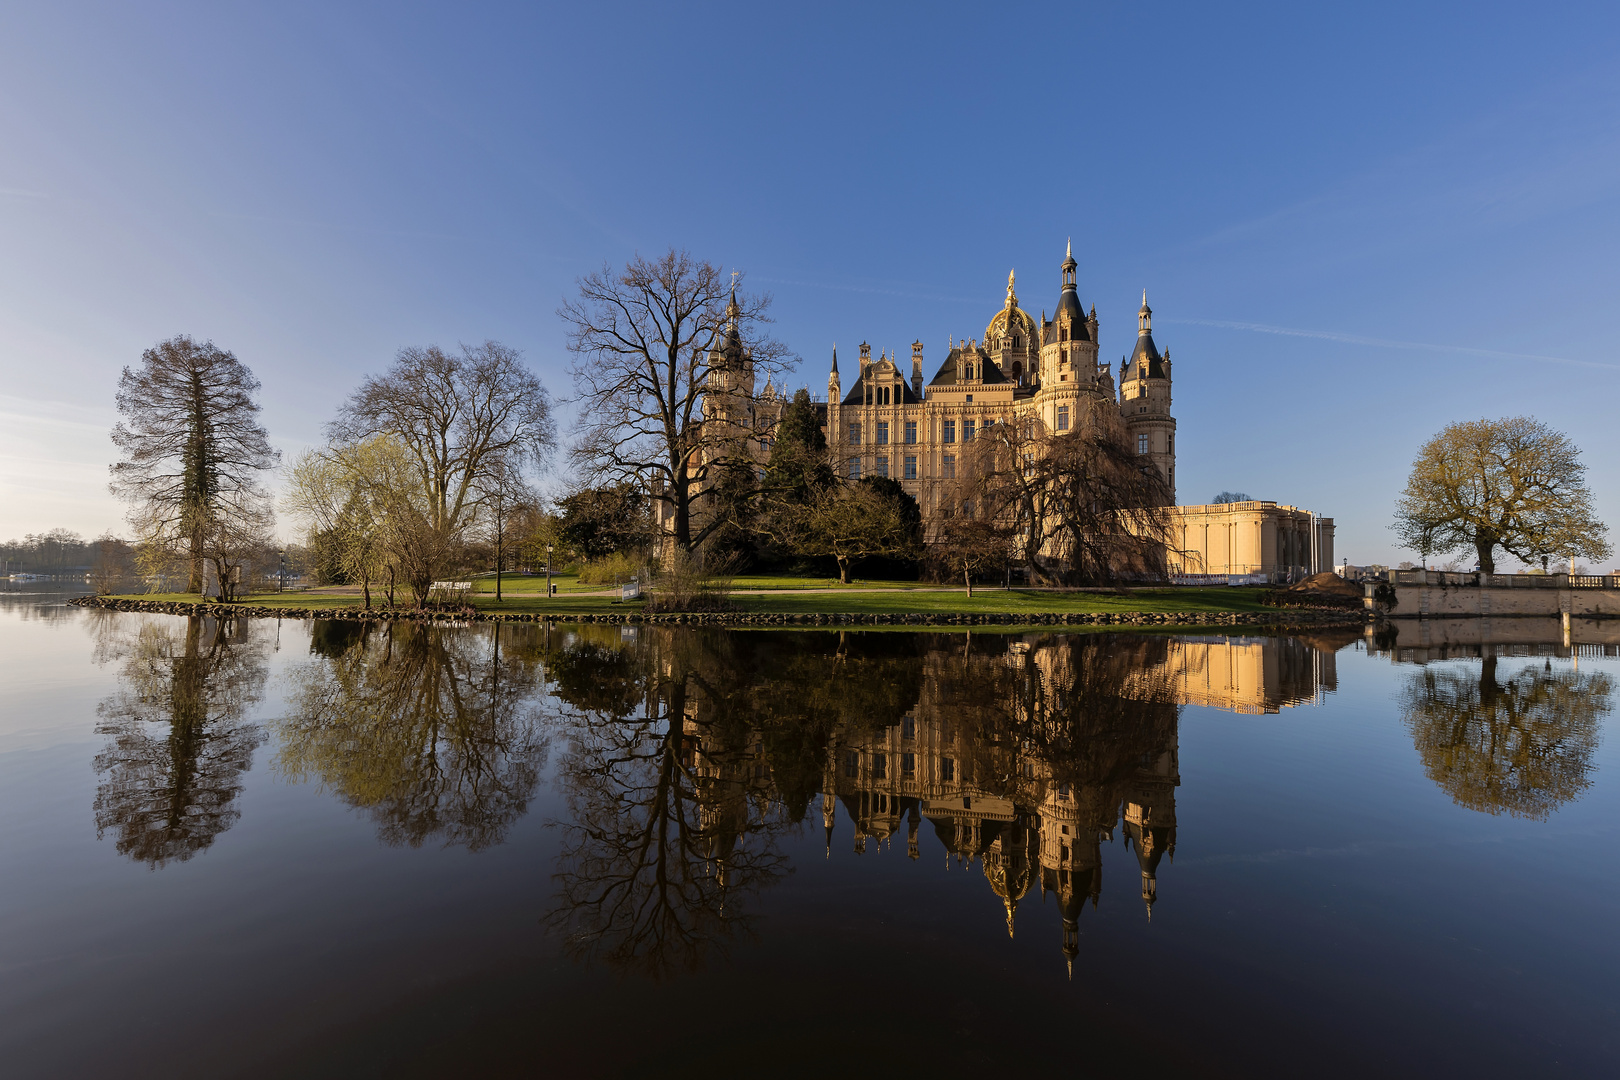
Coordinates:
(1142, 443)
(947, 466)
(1063, 793)
(967, 508)
(911, 467)
(970, 399)
(947, 769)
(947, 431)
(883, 433)
(1172, 446)
(855, 434)
(1063, 418)
(880, 766)
(854, 468)
(967, 430)
(911, 432)
(908, 764)
(908, 727)
(852, 763)
(883, 465)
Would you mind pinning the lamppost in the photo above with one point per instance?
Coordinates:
(281, 568)
(548, 571)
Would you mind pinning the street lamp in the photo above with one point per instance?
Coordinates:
(281, 569)
(548, 571)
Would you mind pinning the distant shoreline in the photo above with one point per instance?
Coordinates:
(1286, 618)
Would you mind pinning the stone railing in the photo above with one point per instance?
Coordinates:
(1453, 579)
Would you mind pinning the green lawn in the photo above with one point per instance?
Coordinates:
(896, 601)
(536, 585)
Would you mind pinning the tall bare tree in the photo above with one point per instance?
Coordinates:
(193, 447)
(1079, 504)
(503, 494)
(652, 343)
(453, 422)
(1514, 484)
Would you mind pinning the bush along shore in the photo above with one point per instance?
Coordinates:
(1278, 619)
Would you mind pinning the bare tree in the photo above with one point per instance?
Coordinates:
(664, 370)
(1513, 484)
(971, 545)
(193, 447)
(503, 494)
(1081, 500)
(450, 424)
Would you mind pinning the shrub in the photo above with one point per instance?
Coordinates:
(610, 569)
(684, 585)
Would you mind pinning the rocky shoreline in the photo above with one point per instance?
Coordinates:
(1279, 619)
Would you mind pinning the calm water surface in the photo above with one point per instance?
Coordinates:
(268, 849)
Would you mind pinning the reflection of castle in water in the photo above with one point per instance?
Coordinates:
(1027, 759)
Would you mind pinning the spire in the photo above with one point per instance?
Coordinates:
(835, 358)
(1012, 296)
(1069, 266)
(1144, 318)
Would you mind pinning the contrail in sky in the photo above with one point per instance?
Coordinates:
(1385, 343)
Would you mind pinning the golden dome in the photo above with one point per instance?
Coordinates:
(1022, 323)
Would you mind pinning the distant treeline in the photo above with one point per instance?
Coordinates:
(59, 551)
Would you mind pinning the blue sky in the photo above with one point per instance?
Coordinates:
(1354, 223)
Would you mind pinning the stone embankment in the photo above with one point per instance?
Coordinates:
(1281, 619)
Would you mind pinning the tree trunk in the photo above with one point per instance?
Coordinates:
(497, 562)
(967, 577)
(390, 585)
(1484, 544)
(843, 570)
(365, 585)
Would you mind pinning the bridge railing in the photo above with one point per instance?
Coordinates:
(1453, 579)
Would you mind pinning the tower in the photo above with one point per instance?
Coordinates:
(916, 368)
(1144, 400)
(1068, 358)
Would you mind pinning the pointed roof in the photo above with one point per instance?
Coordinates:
(947, 373)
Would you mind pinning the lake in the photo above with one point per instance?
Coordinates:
(260, 848)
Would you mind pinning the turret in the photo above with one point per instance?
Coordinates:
(916, 368)
(1145, 400)
(1068, 339)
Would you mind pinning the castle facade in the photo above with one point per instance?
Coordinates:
(1023, 369)
(1044, 375)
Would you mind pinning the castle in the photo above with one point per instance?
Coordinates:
(1044, 374)
(1023, 369)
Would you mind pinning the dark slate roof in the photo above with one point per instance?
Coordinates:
(907, 395)
(1069, 303)
(1145, 352)
(946, 375)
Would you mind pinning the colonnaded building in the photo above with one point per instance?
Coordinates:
(1048, 370)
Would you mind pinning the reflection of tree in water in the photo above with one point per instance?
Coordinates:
(434, 731)
(1522, 745)
(665, 842)
(179, 740)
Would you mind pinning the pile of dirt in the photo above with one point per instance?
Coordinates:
(1317, 591)
(1328, 584)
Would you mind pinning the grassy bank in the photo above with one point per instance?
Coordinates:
(908, 599)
